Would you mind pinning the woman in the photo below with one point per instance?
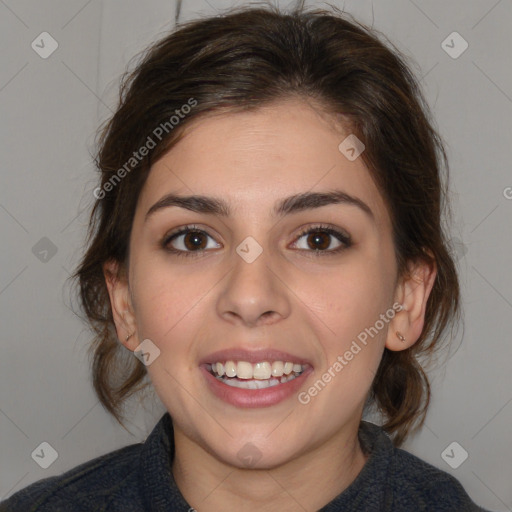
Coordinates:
(267, 240)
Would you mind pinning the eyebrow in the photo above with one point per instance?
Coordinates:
(289, 205)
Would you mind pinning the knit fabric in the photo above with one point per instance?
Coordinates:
(138, 478)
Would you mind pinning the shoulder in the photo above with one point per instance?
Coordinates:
(402, 481)
(416, 483)
(112, 477)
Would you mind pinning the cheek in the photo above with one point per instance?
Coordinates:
(169, 315)
(171, 307)
(347, 306)
(348, 298)
(164, 298)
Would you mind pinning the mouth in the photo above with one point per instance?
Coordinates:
(261, 375)
(258, 378)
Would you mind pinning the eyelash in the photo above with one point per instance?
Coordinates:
(343, 238)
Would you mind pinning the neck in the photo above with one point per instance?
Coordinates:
(308, 482)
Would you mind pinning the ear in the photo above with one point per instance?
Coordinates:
(412, 292)
(121, 304)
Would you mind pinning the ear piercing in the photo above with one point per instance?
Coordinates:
(400, 337)
(129, 336)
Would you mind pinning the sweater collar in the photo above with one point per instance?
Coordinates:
(370, 484)
(157, 482)
(161, 492)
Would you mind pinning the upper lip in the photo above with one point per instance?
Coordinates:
(252, 356)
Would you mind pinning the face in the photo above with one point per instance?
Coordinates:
(261, 286)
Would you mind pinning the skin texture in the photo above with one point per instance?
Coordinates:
(287, 299)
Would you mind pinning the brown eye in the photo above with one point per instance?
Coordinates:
(194, 240)
(188, 241)
(320, 238)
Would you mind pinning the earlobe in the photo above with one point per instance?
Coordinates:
(401, 337)
(120, 302)
(413, 292)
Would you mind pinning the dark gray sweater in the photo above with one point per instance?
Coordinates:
(138, 478)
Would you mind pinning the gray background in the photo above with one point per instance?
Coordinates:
(50, 109)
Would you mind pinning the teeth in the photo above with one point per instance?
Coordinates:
(256, 384)
(230, 368)
(244, 370)
(277, 369)
(262, 371)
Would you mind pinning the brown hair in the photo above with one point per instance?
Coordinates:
(242, 60)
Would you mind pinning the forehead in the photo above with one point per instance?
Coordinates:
(253, 159)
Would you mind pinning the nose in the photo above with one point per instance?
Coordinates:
(253, 293)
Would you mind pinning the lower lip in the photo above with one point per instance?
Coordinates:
(255, 397)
